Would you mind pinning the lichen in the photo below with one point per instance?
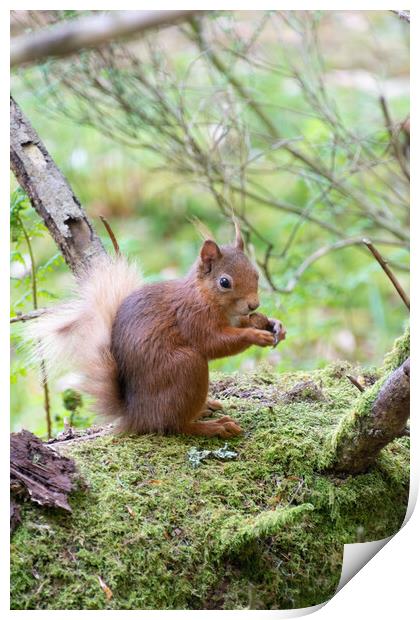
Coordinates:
(265, 530)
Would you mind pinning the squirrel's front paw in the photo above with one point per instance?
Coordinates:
(278, 330)
(261, 338)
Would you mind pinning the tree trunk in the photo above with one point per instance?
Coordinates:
(380, 417)
(50, 194)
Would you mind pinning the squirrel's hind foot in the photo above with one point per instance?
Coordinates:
(213, 405)
(210, 407)
(223, 427)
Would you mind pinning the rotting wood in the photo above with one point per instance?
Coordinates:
(40, 473)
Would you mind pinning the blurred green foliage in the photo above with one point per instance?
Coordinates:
(342, 308)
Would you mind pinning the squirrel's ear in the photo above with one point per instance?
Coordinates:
(210, 252)
(239, 242)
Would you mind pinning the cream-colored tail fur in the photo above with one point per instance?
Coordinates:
(76, 335)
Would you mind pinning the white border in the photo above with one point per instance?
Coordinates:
(387, 586)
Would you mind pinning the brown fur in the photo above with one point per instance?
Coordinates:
(147, 363)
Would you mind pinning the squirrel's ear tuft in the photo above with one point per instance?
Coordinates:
(239, 242)
(210, 252)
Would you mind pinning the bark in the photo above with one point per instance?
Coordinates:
(50, 194)
(362, 436)
(37, 471)
(71, 36)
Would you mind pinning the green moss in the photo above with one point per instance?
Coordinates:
(399, 353)
(264, 530)
(238, 532)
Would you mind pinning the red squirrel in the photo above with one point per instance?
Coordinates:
(143, 349)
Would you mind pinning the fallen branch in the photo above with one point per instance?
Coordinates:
(72, 36)
(383, 263)
(71, 436)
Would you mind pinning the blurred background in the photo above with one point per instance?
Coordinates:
(297, 120)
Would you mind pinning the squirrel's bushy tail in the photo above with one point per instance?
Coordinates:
(76, 335)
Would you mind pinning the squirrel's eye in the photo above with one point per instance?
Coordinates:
(224, 283)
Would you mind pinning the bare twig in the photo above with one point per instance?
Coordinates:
(393, 139)
(383, 263)
(355, 383)
(403, 15)
(338, 245)
(85, 435)
(111, 235)
(47, 403)
(198, 130)
(28, 316)
(312, 163)
(35, 304)
(71, 36)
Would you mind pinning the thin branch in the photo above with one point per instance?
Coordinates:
(355, 383)
(283, 206)
(339, 184)
(338, 245)
(69, 37)
(28, 316)
(70, 438)
(32, 262)
(44, 377)
(111, 235)
(403, 15)
(384, 264)
(393, 139)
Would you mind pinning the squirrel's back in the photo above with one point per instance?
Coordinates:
(76, 334)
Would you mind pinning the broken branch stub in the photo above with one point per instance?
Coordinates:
(50, 194)
(380, 417)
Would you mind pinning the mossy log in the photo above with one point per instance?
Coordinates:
(264, 530)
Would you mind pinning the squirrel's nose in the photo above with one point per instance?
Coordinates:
(253, 305)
